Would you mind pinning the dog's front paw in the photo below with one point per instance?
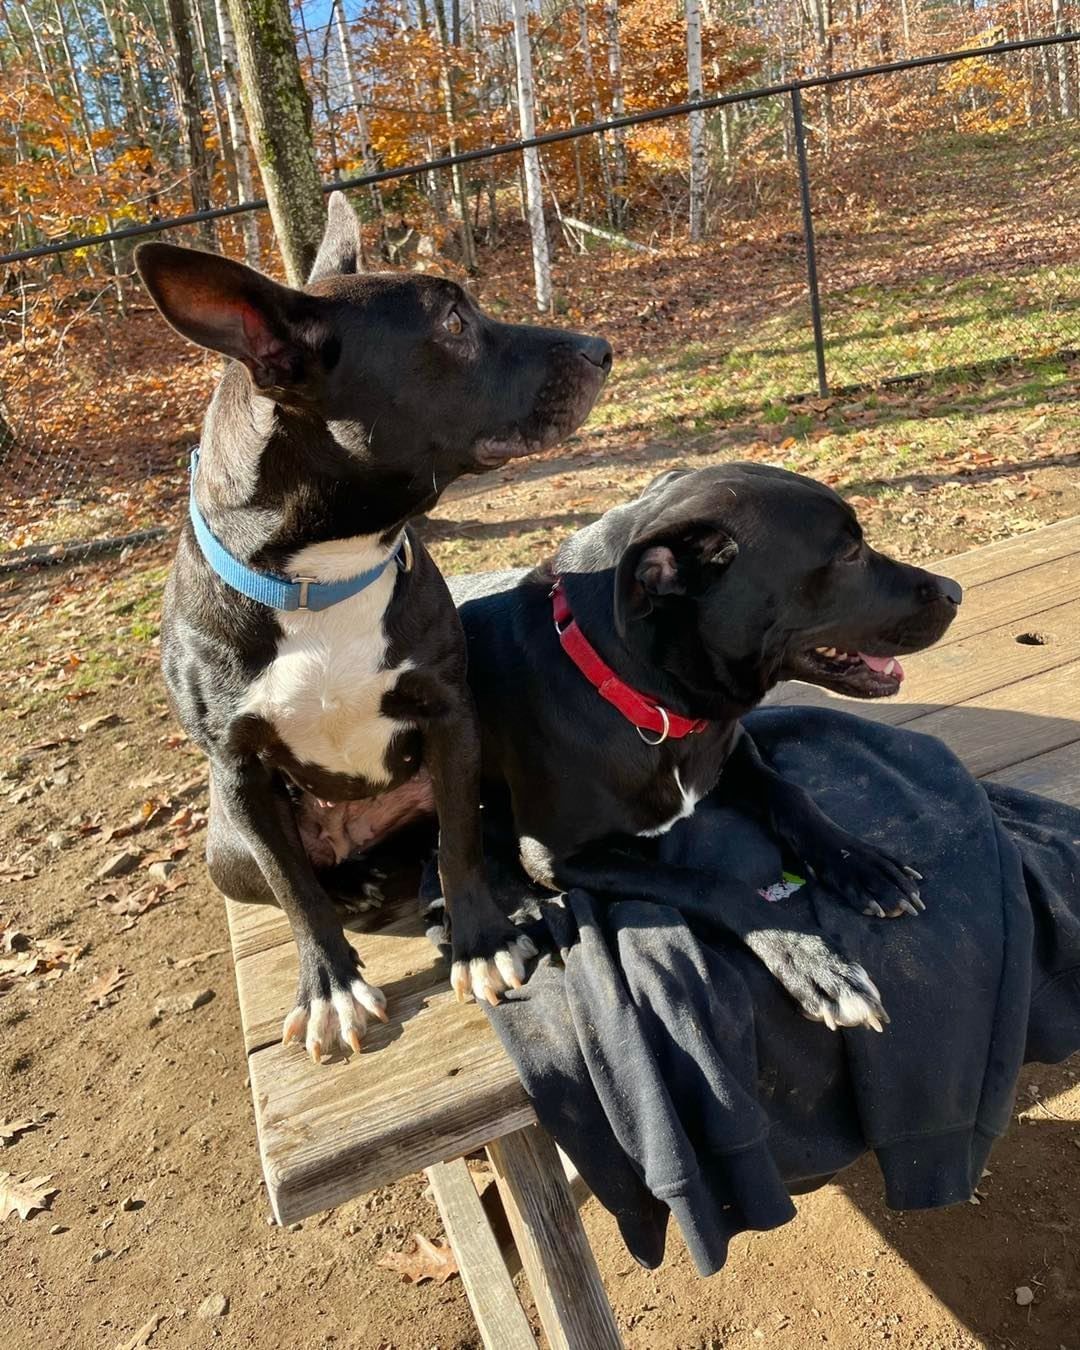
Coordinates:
(490, 965)
(333, 1002)
(827, 987)
(868, 879)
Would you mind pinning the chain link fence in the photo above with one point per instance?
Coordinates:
(930, 233)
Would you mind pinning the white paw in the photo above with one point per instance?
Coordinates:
(342, 1017)
(488, 977)
(827, 987)
(846, 1006)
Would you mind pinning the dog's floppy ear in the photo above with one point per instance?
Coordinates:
(668, 562)
(339, 252)
(232, 309)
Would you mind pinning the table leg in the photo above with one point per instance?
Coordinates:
(499, 1318)
(555, 1252)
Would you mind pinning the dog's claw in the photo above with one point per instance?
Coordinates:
(487, 978)
(352, 1037)
(874, 910)
(293, 1029)
(906, 907)
(918, 876)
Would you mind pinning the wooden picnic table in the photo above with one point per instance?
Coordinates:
(1002, 689)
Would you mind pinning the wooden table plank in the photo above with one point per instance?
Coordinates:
(1055, 774)
(433, 1085)
(1018, 598)
(1010, 556)
(566, 1284)
(1001, 727)
(499, 1317)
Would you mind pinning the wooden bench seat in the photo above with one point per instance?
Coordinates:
(435, 1084)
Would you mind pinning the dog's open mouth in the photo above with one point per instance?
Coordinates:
(856, 674)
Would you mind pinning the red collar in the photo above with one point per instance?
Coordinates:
(644, 714)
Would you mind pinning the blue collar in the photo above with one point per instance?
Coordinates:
(277, 592)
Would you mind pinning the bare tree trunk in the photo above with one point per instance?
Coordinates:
(245, 187)
(531, 158)
(134, 122)
(698, 158)
(357, 100)
(1064, 89)
(822, 17)
(91, 153)
(446, 87)
(618, 107)
(278, 113)
(597, 111)
(221, 124)
(191, 115)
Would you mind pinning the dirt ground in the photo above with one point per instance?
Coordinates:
(145, 1121)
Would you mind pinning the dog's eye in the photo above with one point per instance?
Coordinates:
(453, 323)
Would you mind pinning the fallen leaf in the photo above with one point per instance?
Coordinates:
(16, 872)
(426, 1261)
(99, 723)
(107, 984)
(142, 1336)
(10, 1130)
(23, 1195)
(186, 961)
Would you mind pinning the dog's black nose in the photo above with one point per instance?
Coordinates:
(597, 351)
(941, 588)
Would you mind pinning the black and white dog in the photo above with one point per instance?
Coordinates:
(309, 643)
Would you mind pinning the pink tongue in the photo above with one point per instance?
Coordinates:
(879, 663)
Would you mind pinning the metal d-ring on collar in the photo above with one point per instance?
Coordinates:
(666, 731)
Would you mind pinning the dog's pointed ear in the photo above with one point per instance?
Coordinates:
(669, 562)
(232, 309)
(339, 252)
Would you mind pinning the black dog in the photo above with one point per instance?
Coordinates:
(348, 408)
(611, 682)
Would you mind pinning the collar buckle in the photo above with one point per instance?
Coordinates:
(304, 583)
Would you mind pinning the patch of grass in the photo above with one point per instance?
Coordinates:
(944, 328)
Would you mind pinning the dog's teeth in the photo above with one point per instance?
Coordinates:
(890, 667)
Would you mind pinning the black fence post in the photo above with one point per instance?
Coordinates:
(808, 240)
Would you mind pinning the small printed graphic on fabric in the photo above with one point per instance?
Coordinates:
(780, 890)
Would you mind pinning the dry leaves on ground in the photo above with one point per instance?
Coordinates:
(197, 959)
(426, 1261)
(48, 957)
(10, 1130)
(23, 1195)
(108, 983)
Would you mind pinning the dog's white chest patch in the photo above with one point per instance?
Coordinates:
(688, 800)
(323, 690)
